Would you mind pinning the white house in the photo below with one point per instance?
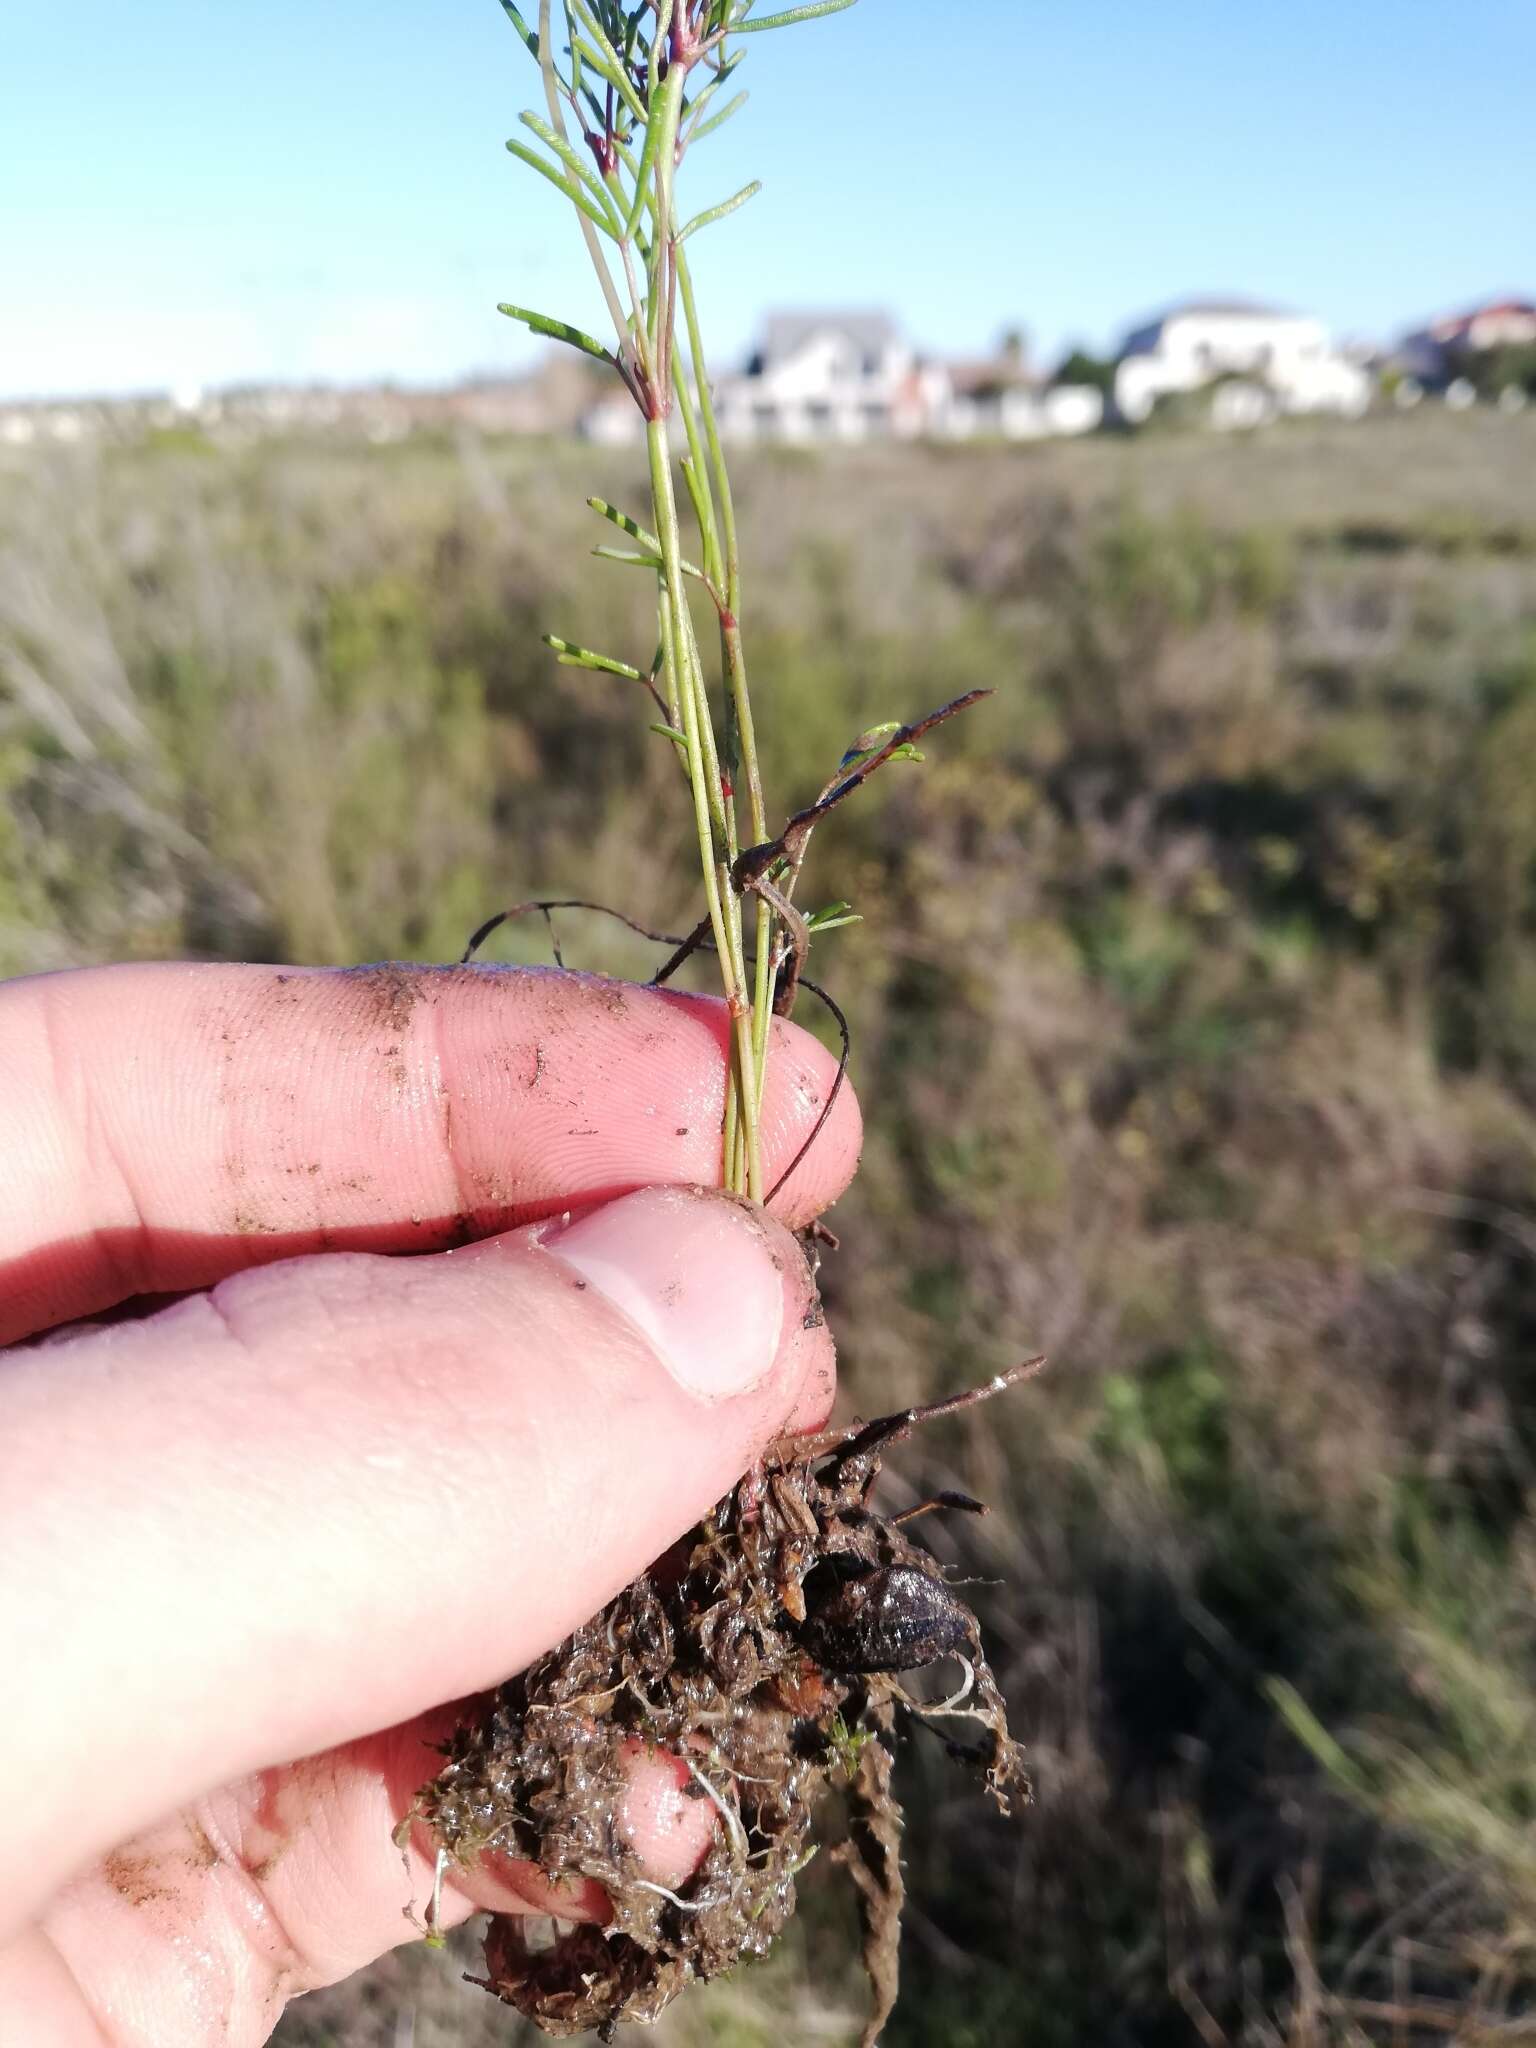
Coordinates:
(815, 377)
(830, 377)
(852, 377)
(1259, 360)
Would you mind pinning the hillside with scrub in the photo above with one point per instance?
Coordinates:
(1194, 1020)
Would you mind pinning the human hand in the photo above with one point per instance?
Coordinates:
(290, 1517)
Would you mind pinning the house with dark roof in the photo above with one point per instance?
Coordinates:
(867, 339)
(1258, 361)
(1437, 355)
(833, 376)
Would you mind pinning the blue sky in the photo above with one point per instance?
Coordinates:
(196, 193)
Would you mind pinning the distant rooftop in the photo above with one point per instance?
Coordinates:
(1147, 334)
(985, 375)
(1455, 325)
(870, 332)
(1228, 308)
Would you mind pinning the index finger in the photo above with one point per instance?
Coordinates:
(166, 1125)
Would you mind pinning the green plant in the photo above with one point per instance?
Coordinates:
(1077, 366)
(640, 87)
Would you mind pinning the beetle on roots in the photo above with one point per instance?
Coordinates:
(767, 1651)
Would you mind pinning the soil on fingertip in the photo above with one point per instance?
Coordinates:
(766, 1651)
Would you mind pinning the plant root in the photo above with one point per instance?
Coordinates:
(763, 1650)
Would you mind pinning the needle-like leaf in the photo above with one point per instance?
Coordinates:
(568, 185)
(718, 120)
(560, 330)
(571, 656)
(714, 213)
(788, 17)
(582, 172)
(522, 28)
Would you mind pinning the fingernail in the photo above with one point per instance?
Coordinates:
(694, 1272)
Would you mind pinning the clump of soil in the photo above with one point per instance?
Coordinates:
(765, 1651)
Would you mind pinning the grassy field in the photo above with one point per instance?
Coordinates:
(1195, 1026)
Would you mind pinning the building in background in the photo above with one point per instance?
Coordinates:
(831, 377)
(846, 377)
(1248, 362)
(1003, 396)
(1487, 351)
(1498, 324)
(550, 399)
(814, 377)
(849, 377)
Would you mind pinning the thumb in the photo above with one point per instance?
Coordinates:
(341, 1490)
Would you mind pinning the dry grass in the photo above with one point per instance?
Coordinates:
(1195, 1017)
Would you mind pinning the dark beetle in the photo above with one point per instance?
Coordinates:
(892, 1618)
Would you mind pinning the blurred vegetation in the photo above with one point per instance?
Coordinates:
(1195, 1019)
(1078, 366)
(1492, 371)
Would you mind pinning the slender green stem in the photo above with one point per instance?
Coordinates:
(731, 649)
(730, 1148)
(733, 660)
(681, 694)
(723, 903)
(664, 121)
(743, 1156)
(698, 476)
